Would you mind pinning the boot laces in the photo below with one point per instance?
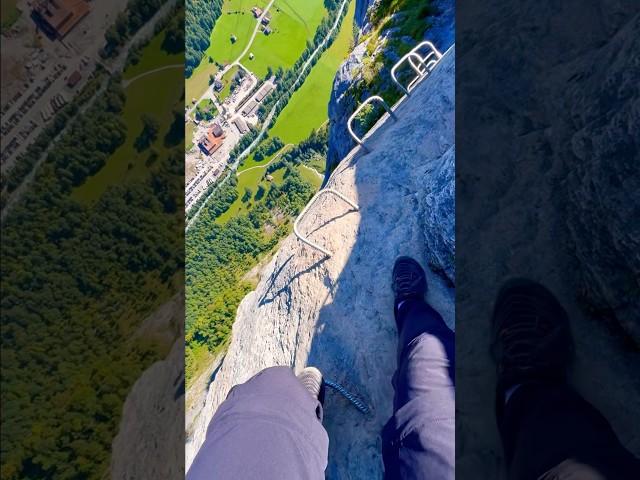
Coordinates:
(526, 342)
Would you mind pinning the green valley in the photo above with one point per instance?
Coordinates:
(307, 108)
(245, 214)
(91, 251)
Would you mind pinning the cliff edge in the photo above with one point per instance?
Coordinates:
(337, 313)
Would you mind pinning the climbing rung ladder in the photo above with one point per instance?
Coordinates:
(422, 64)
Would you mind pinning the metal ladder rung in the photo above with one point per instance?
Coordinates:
(422, 68)
(304, 239)
(426, 64)
(359, 109)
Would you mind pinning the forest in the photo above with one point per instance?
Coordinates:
(308, 151)
(68, 357)
(200, 18)
(218, 256)
(127, 23)
(267, 147)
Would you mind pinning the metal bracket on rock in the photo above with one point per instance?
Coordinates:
(422, 68)
(421, 65)
(296, 230)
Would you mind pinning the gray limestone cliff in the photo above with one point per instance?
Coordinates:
(362, 7)
(603, 182)
(337, 313)
(151, 433)
(344, 97)
(572, 111)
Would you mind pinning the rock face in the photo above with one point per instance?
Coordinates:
(151, 435)
(342, 103)
(362, 7)
(337, 313)
(571, 114)
(603, 182)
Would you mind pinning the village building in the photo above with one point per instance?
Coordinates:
(264, 91)
(56, 18)
(265, 20)
(250, 107)
(241, 125)
(213, 140)
(216, 129)
(257, 11)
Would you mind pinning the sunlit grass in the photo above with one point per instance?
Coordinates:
(308, 107)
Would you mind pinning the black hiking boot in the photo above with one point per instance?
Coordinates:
(531, 335)
(408, 279)
(311, 379)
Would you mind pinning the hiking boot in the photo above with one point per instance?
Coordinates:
(532, 338)
(408, 279)
(311, 379)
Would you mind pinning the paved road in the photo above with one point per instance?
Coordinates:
(255, 32)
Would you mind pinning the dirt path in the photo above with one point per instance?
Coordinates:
(126, 83)
(313, 170)
(277, 155)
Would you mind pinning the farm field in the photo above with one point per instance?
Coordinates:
(154, 95)
(253, 179)
(293, 23)
(236, 19)
(251, 162)
(153, 57)
(310, 175)
(197, 83)
(226, 80)
(189, 130)
(308, 107)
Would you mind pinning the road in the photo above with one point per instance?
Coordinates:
(255, 32)
(267, 121)
(207, 93)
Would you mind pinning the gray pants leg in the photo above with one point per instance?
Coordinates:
(268, 428)
(419, 440)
